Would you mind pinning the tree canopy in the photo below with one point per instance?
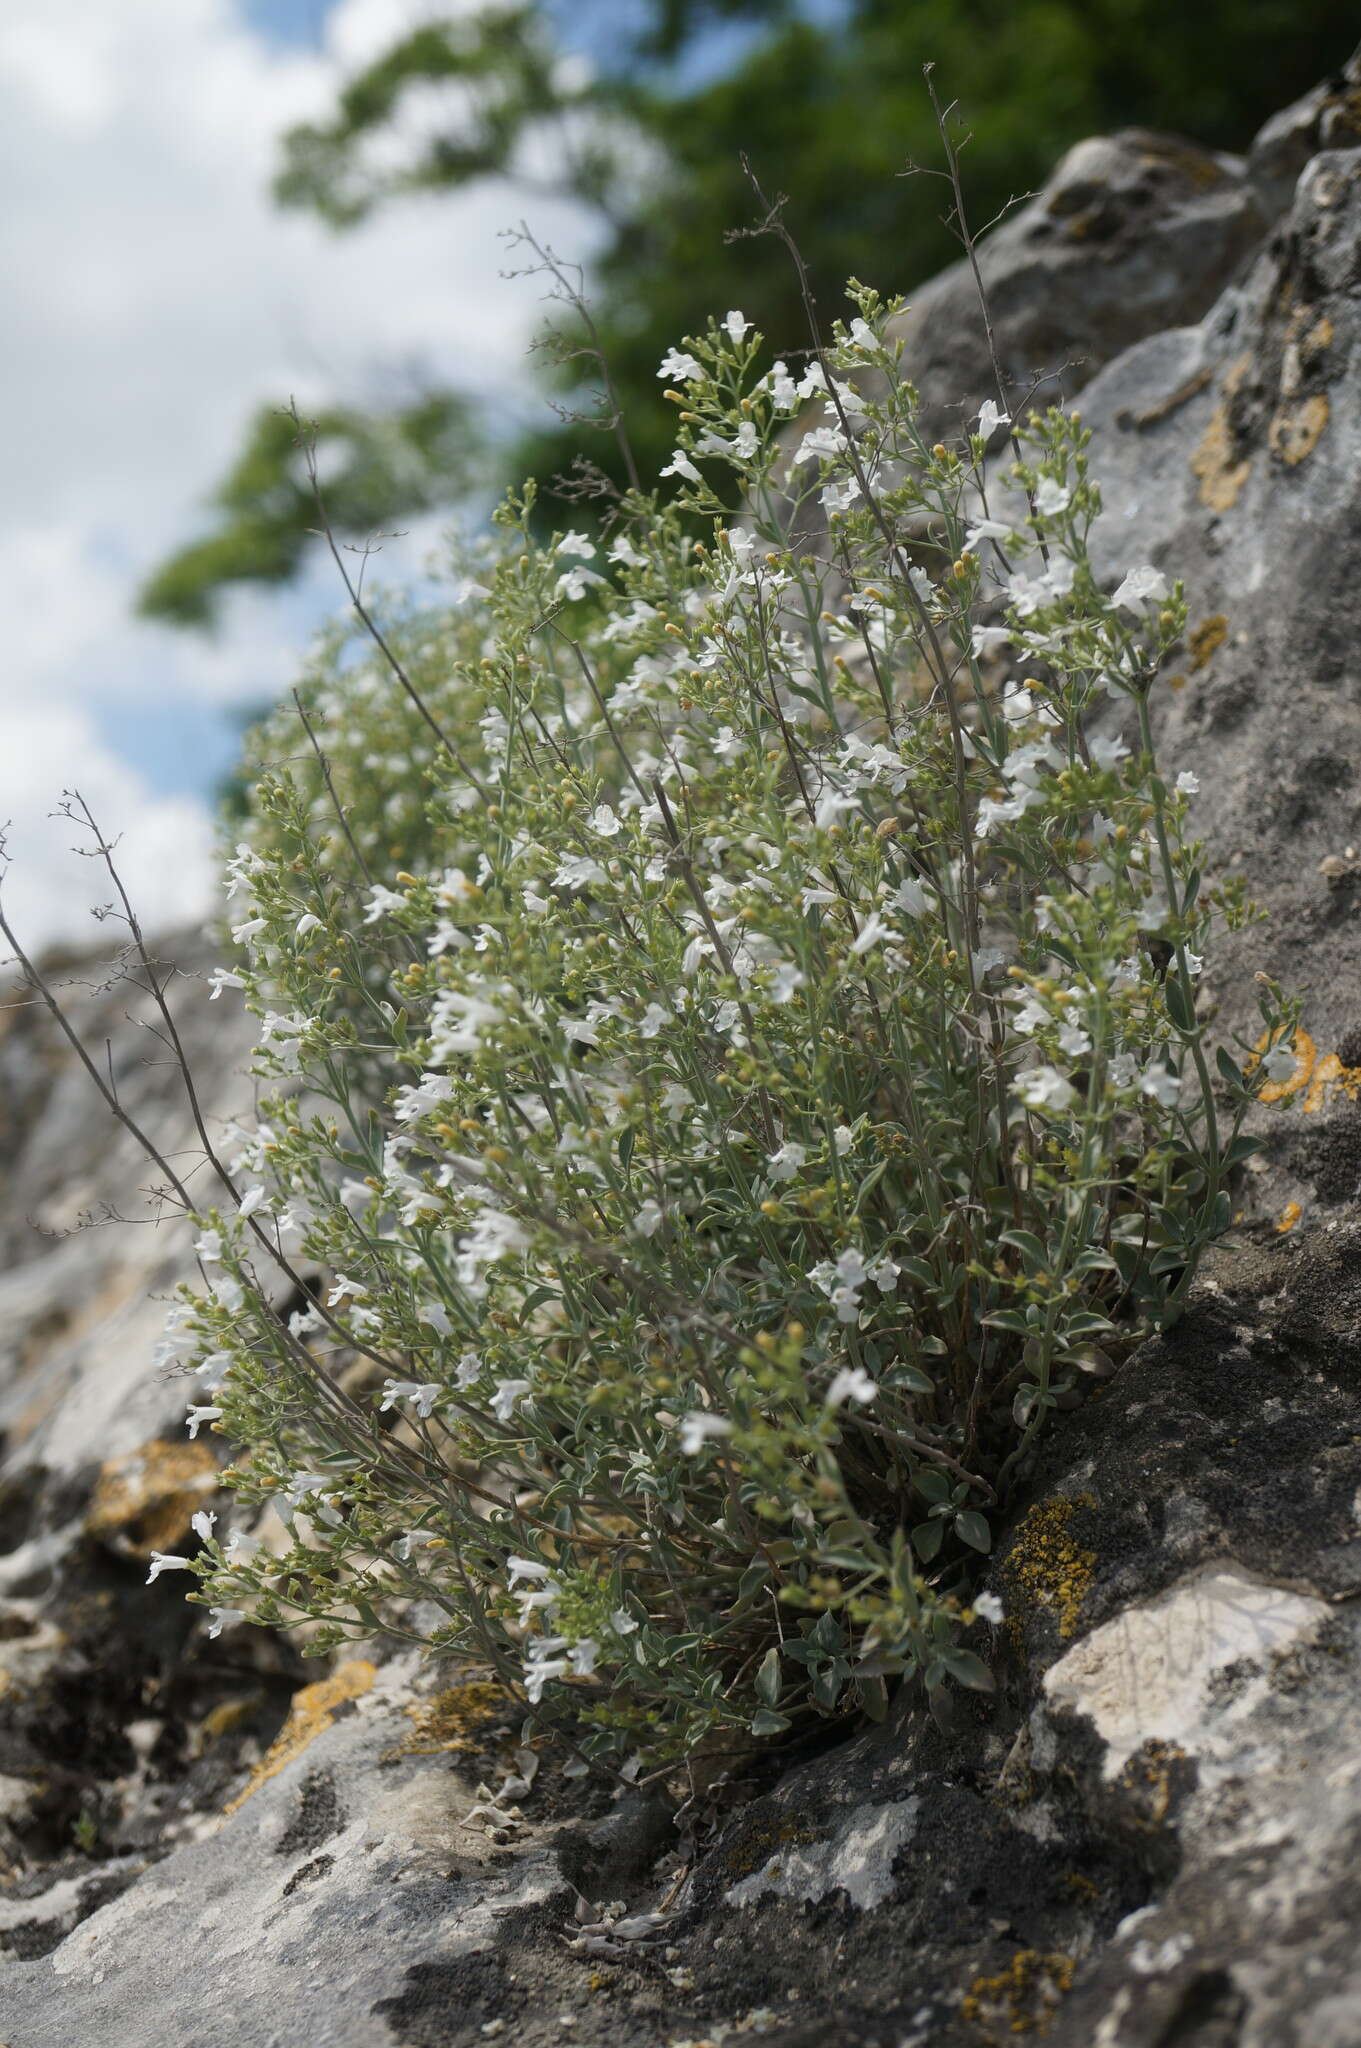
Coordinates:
(644, 114)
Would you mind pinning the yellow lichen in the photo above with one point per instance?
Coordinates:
(143, 1501)
(1213, 460)
(1288, 1218)
(446, 1723)
(1296, 427)
(313, 1710)
(1022, 1999)
(1207, 638)
(1046, 1568)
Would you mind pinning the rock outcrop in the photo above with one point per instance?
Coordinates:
(1147, 1838)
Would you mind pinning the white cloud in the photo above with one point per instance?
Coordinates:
(156, 298)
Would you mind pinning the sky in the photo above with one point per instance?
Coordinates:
(154, 298)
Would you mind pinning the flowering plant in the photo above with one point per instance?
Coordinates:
(732, 1022)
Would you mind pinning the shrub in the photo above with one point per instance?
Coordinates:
(733, 1013)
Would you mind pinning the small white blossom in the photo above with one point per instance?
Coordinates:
(785, 1163)
(697, 1428)
(737, 325)
(681, 366)
(852, 1383)
(198, 1416)
(504, 1397)
(988, 1607)
(224, 1617)
(1139, 588)
(991, 417)
(681, 465)
(202, 1524)
(161, 1561)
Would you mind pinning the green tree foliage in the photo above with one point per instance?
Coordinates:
(829, 109)
(379, 466)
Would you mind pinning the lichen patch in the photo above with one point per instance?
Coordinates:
(1147, 1674)
(314, 1708)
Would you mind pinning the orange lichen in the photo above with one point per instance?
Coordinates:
(1316, 1076)
(144, 1500)
(1296, 427)
(1022, 1999)
(313, 1710)
(1288, 1218)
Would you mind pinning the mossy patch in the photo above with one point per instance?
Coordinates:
(455, 1721)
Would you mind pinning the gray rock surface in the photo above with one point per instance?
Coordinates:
(1148, 1837)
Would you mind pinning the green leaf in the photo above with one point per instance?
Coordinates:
(764, 1722)
(769, 1678)
(873, 1695)
(926, 1539)
(931, 1485)
(1178, 1008)
(626, 1137)
(966, 1669)
(1029, 1246)
(1229, 1068)
(974, 1530)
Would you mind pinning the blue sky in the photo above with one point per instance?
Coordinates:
(160, 299)
(157, 297)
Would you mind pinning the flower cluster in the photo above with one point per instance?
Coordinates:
(731, 1019)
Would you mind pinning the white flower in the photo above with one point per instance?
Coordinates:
(309, 922)
(222, 979)
(381, 901)
(225, 1617)
(574, 583)
(583, 1655)
(202, 1524)
(436, 1315)
(648, 1221)
(1161, 1084)
(986, 638)
(576, 544)
(525, 1568)
(623, 1623)
(1106, 752)
(681, 465)
(196, 1417)
(624, 552)
(737, 325)
(605, 821)
(872, 932)
(162, 1562)
(909, 897)
(252, 928)
(1188, 784)
(991, 417)
(1045, 1088)
(1139, 587)
(988, 1607)
(884, 1273)
(843, 1137)
(696, 1429)
(504, 1397)
(785, 1163)
(679, 364)
(852, 1383)
(1051, 498)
